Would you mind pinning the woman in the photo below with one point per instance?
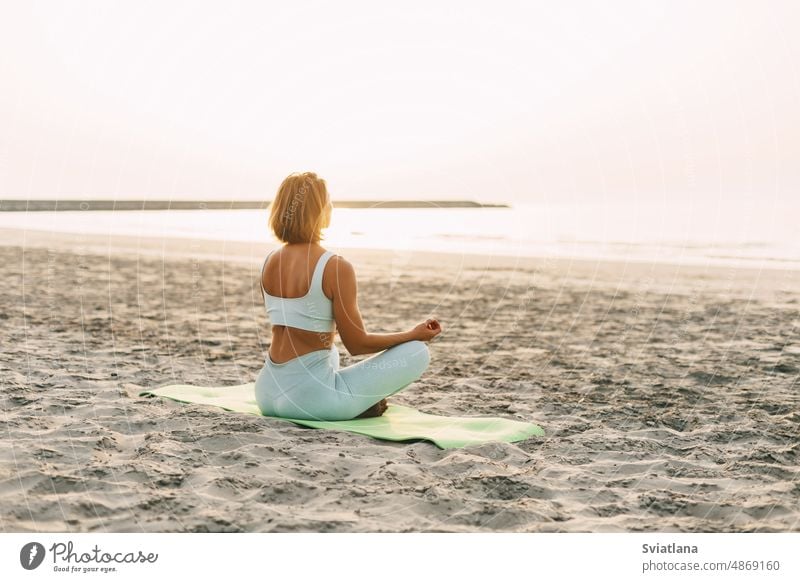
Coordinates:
(310, 293)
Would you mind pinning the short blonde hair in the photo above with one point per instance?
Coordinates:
(297, 212)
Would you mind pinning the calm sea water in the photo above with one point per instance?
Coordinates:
(752, 235)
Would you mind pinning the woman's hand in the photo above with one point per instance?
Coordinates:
(427, 330)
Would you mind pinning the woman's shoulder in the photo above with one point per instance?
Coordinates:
(339, 268)
(338, 276)
(338, 262)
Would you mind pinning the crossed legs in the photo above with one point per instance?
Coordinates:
(370, 381)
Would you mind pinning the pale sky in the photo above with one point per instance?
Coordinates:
(492, 101)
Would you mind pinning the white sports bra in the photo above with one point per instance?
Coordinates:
(313, 311)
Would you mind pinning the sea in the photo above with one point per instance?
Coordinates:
(752, 234)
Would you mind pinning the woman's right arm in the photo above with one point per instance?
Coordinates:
(348, 317)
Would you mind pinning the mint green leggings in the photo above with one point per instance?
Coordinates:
(312, 387)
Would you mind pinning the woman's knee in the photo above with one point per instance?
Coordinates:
(416, 355)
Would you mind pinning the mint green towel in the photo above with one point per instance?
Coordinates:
(398, 423)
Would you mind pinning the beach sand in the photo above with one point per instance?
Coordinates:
(669, 395)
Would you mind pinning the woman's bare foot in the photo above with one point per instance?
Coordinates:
(374, 410)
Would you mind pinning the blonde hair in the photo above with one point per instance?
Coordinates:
(297, 212)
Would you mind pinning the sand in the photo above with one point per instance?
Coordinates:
(669, 395)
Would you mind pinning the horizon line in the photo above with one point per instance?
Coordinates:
(71, 204)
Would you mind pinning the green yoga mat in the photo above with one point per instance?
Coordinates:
(398, 423)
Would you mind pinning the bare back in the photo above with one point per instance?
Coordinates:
(288, 274)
